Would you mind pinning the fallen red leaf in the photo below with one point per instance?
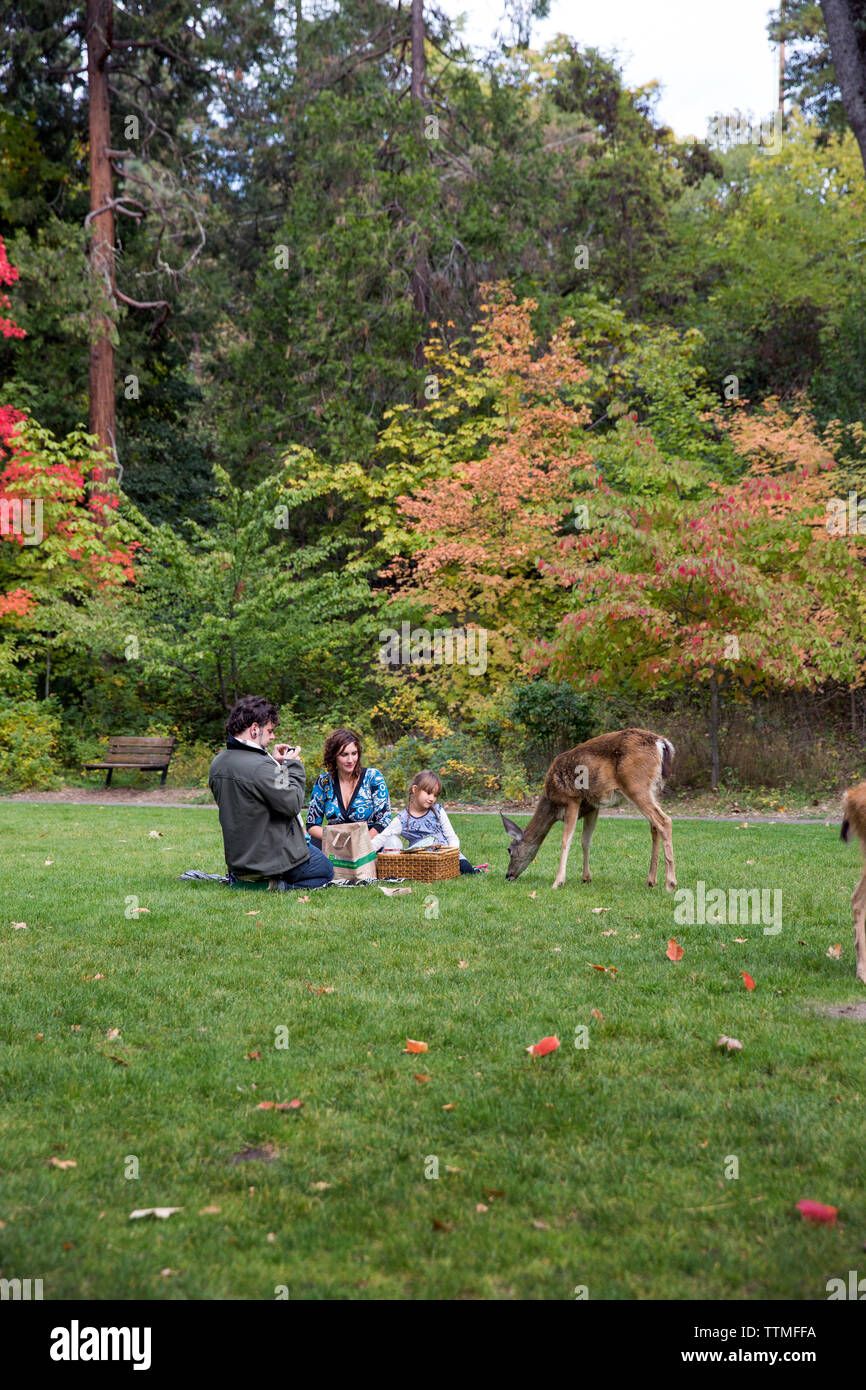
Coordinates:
(817, 1212)
(674, 952)
(541, 1049)
(835, 952)
(597, 1013)
(414, 1046)
(289, 1105)
(422, 1076)
(747, 980)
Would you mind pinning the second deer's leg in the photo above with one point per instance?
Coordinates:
(858, 903)
(586, 839)
(568, 824)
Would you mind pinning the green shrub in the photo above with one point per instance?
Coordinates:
(29, 736)
(401, 761)
(554, 716)
(190, 764)
(468, 767)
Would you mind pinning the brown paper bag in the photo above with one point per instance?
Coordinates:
(349, 849)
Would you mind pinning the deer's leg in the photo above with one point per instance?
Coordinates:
(858, 902)
(654, 857)
(568, 824)
(586, 839)
(659, 824)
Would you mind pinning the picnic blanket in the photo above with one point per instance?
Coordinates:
(335, 882)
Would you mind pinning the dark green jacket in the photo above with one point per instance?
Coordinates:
(258, 816)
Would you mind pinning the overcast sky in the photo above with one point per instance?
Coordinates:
(708, 55)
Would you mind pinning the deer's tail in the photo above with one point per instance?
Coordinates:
(667, 751)
(844, 832)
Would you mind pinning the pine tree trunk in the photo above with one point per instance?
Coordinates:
(101, 226)
(846, 30)
(714, 729)
(420, 268)
(419, 67)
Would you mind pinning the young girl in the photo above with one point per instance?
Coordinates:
(423, 816)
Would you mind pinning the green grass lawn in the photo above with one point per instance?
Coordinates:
(601, 1166)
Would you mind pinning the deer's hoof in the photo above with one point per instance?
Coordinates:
(671, 886)
(650, 883)
(586, 878)
(559, 883)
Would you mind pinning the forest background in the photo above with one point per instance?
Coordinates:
(409, 340)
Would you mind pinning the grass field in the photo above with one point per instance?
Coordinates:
(601, 1166)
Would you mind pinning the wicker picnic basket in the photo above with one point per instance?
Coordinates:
(423, 864)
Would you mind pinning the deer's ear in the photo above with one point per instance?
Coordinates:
(513, 830)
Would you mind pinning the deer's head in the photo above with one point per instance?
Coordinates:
(520, 851)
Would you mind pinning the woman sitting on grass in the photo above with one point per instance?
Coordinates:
(347, 791)
(424, 816)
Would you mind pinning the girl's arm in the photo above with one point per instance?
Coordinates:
(395, 828)
(448, 834)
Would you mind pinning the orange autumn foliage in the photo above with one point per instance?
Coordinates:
(483, 527)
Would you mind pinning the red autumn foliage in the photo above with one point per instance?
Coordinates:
(8, 275)
(817, 1213)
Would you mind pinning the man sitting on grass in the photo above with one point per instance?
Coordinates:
(260, 796)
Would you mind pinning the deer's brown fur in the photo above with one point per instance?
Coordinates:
(630, 763)
(854, 818)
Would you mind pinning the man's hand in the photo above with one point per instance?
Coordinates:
(283, 752)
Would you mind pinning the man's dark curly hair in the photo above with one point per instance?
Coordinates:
(334, 744)
(251, 709)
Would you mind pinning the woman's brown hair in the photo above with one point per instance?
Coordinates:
(334, 744)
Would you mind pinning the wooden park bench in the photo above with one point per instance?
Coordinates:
(145, 754)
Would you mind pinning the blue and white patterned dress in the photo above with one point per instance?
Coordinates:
(370, 801)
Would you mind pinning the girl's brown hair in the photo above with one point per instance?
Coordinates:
(334, 744)
(427, 781)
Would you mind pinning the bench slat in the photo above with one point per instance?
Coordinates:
(118, 762)
(155, 743)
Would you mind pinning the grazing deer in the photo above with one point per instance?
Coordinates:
(854, 816)
(632, 763)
